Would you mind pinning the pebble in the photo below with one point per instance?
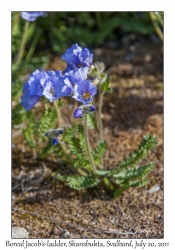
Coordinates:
(19, 233)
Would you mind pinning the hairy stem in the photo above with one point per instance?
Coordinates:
(58, 113)
(100, 128)
(23, 43)
(62, 144)
(88, 145)
(100, 98)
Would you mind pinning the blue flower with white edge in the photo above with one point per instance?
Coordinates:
(34, 86)
(50, 84)
(78, 56)
(31, 15)
(84, 91)
(33, 89)
(57, 87)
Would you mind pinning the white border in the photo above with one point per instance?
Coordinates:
(5, 96)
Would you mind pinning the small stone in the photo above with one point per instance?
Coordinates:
(19, 233)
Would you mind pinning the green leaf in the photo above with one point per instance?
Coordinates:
(131, 183)
(147, 144)
(70, 132)
(137, 172)
(28, 135)
(138, 183)
(18, 114)
(29, 130)
(99, 151)
(82, 182)
(103, 173)
(106, 84)
(59, 177)
(110, 90)
(46, 122)
(47, 150)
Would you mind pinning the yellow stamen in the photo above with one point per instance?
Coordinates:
(86, 95)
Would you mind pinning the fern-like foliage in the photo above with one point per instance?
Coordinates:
(98, 152)
(70, 132)
(82, 182)
(131, 183)
(46, 150)
(46, 122)
(144, 148)
(16, 88)
(28, 132)
(137, 172)
(77, 146)
(79, 182)
(18, 115)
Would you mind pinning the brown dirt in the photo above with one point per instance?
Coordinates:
(134, 109)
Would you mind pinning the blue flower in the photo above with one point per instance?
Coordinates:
(78, 74)
(31, 15)
(77, 56)
(34, 86)
(84, 91)
(33, 89)
(50, 84)
(78, 113)
(57, 87)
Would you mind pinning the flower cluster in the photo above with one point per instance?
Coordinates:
(73, 81)
(31, 15)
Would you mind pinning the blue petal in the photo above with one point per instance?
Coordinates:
(28, 101)
(78, 75)
(70, 66)
(71, 54)
(55, 141)
(85, 58)
(92, 108)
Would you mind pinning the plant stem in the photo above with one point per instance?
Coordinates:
(100, 127)
(100, 97)
(16, 20)
(23, 43)
(33, 46)
(157, 29)
(88, 145)
(62, 144)
(58, 113)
